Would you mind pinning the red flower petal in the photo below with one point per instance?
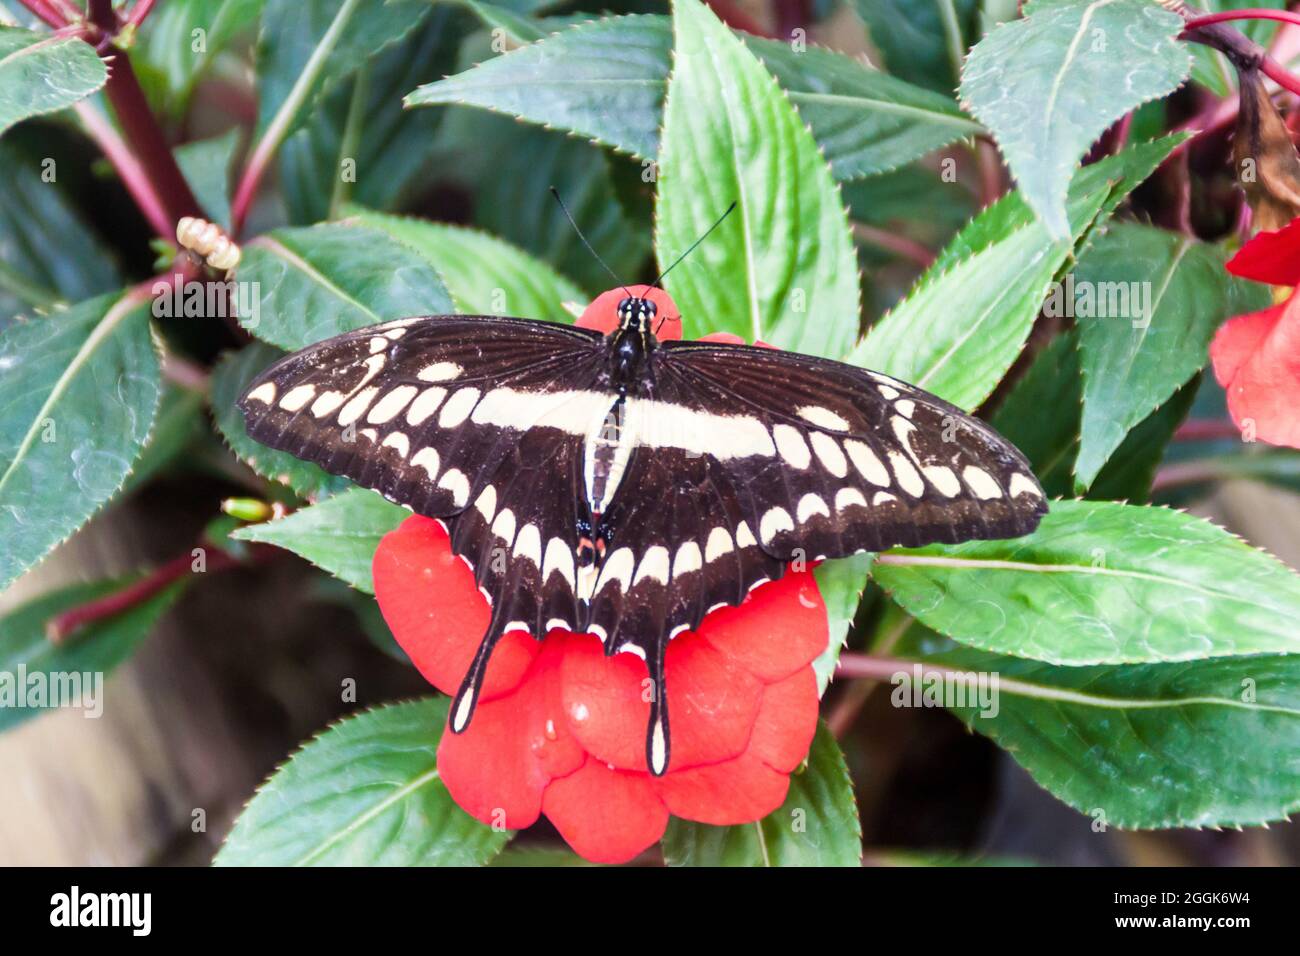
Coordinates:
(734, 791)
(780, 628)
(499, 767)
(787, 721)
(1271, 256)
(1257, 360)
(713, 702)
(602, 314)
(607, 816)
(434, 609)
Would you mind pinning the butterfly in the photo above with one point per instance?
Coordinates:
(624, 486)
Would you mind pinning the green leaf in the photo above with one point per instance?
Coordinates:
(389, 146)
(48, 254)
(922, 41)
(998, 268)
(606, 81)
(313, 283)
(816, 826)
(339, 534)
(171, 48)
(1147, 302)
(529, 856)
(841, 584)
(306, 46)
(960, 352)
(1130, 471)
(180, 425)
(1040, 415)
(230, 377)
(511, 199)
(79, 391)
(1048, 85)
(1142, 746)
(42, 73)
(484, 275)
(1101, 582)
(94, 649)
(786, 252)
(206, 166)
(366, 792)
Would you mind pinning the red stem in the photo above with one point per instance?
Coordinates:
(59, 627)
(128, 168)
(1206, 429)
(139, 11)
(1251, 13)
(45, 12)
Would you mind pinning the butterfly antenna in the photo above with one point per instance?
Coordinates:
(655, 284)
(572, 222)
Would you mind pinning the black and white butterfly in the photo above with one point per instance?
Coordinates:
(623, 486)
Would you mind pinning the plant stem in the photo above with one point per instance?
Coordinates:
(139, 11)
(147, 142)
(1252, 13)
(128, 168)
(61, 626)
(1209, 29)
(342, 191)
(45, 12)
(278, 128)
(893, 242)
(1206, 429)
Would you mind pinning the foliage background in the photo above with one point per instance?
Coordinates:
(225, 677)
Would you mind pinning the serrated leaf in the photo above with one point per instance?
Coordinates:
(1211, 68)
(1048, 85)
(841, 584)
(816, 826)
(48, 254)
(43, 72)
(922, 41)
(366, 792)
(28, 658)
(230, 377)
(785, 254)
(306, 46)
(1130, 471)
(180, 423)
(511, 199)
(1040, 414)
(959, 331)
(78, 394)
(1101, 582)
(485, 275)
(205, 163)
(1147, 303)
(389, 146)
(339, 534)
(606, 81)
(321, 281)
(1145, 745)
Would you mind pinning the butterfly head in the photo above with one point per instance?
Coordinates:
(647, 311)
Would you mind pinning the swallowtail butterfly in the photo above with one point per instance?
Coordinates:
(623, 486)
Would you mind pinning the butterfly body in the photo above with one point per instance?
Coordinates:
(622, 485)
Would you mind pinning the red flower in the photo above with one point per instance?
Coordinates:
(1257, 356)
(560, 727)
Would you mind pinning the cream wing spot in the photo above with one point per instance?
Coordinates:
(439, 372)
(296, 398)
(810, 505)
(486, 503)
(654, 565)
(427, 458)
(1022, 485)
(425, 405)
(504, 526)
(773, 523)
(791, 446)
(849, 498)
(687, 559)
(326, 403)
(559, 557)
(618, 567)
(398, 442)
(906, 407)
(744, 537)
(888, 392)
(719, 543)
(943, 478)
(909, 479)
(356, 405)
(823, 417)
(830, 454)
(264, 393)
(867, 462)
(528, 544)
(983, 484)
(378, 343)
(882, 497)
(387, 408)
(458, 407)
